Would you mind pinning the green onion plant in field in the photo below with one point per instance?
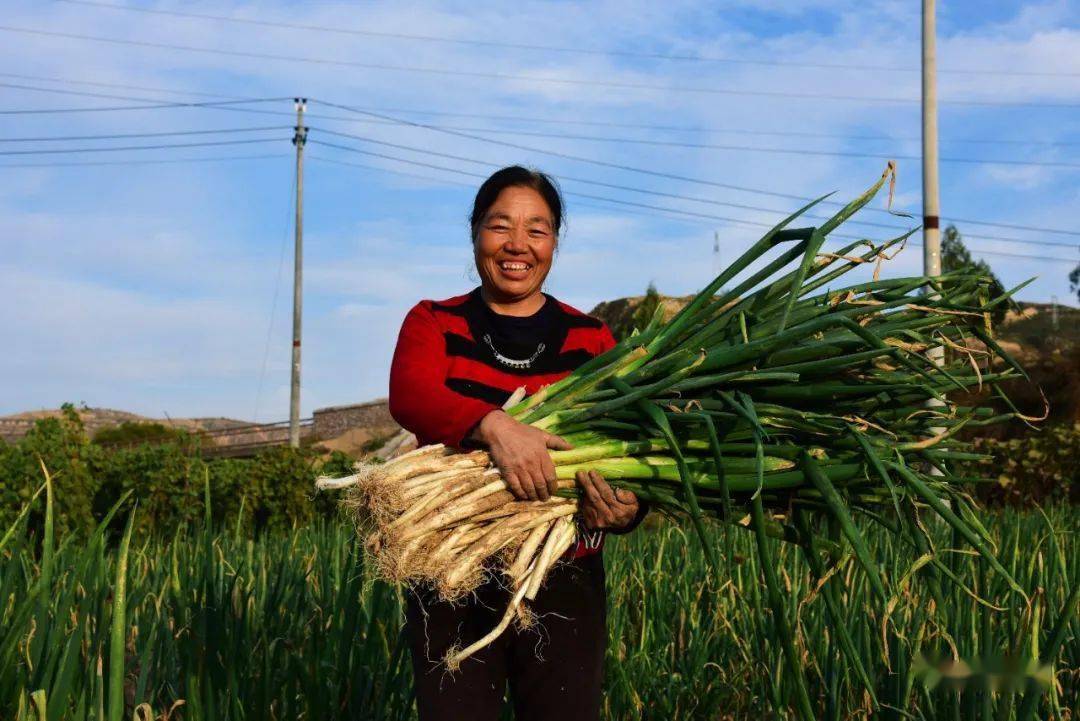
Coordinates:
(221, 626)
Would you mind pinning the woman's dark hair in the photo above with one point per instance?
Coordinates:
(515, 176)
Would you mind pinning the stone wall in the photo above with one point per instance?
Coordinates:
(373, 416)
(12, 429)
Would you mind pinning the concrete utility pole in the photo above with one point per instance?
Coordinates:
(931, 203)
(299, 138)
(931, 206)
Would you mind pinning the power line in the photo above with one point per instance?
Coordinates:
(675, 196)
(162, 146)
(290, 207)
(683, 128)
(560, 49)
(471, 186)
(151, 104)
(700, 200)
(691, 145)
(121, 86)
(386, 120)
(1022, 241)
(691, 214)
(419, 176)
(574, 194)
(563, 121)
(447, 72)
(117, 136)
(1011, 226)
(702, 146)
(228, 105)
(482, 175)
(663, 194)
(157, 161)
(566, 156)
(465, 159)
(645, 205)
(773, 151)
(602, 163)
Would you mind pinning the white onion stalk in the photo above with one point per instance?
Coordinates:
(448, 521)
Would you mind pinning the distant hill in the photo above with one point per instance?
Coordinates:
(356, 429)
(15, 426)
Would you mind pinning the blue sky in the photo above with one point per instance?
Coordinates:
(151, 287)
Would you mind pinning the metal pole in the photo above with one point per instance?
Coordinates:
(299, 138)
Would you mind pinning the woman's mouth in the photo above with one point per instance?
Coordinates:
(514, 269)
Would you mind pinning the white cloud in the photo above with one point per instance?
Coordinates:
(106, 345)
(1019, 177)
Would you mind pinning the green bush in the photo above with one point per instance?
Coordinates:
(169, 481)
(62, 446)
(1039, 467)
(131, 433)
(274, 490)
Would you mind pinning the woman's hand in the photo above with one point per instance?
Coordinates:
(602, 507)
(521, 453)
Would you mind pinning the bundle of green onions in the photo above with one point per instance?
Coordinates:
(785, 405)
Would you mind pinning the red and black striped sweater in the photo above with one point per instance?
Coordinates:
(457, 360)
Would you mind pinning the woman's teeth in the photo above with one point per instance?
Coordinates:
(514, 266)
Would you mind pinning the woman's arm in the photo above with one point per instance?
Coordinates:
(419, 398)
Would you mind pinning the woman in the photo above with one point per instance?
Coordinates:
(457, 361)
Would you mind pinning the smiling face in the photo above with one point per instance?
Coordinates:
(513, 248)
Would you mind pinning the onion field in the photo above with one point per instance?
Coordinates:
(211, 624)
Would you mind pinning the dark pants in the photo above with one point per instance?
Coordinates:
(555, 668)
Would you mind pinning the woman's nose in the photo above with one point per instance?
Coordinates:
(516, 241)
